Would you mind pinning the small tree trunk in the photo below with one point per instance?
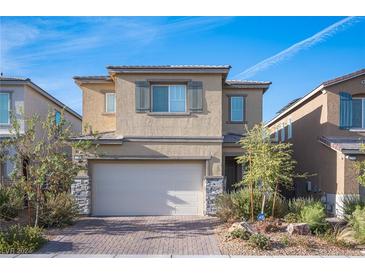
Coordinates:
(274, 200)
(251, 199)
(29, 211)
(37, 207)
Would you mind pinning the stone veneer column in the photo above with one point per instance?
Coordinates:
(214, 186)
(81, 187)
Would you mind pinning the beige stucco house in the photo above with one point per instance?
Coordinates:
(327, 128)
(23, 98)
(166, 135)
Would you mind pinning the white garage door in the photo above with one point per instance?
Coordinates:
(147, 188)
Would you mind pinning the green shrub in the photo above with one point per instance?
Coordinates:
(58, 210)
(237, 205)
(11, 202)
(357, 222)
(296, 205)
(292, 218)
(240, 233)
(260, 241)
(314, 215)
(350, 203)
(21, 239)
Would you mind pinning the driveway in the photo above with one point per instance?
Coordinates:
(152, 235)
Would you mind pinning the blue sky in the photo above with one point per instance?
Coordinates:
(295, 53)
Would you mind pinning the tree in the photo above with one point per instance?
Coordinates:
(360, 168)
(42, 158)
(266, 163)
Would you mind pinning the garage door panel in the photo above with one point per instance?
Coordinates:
(147, 188)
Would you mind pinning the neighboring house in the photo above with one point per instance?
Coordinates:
(327, 128)
(167, 136)
(22, 98)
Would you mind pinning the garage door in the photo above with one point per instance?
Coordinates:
(147, 188)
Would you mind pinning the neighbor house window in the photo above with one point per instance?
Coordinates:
(110, 102)
(57, 117)
(276, 138)
(358, 113)
(4, 108)
(290, 129)
(237, 108)
(168, 98)
(282, 132)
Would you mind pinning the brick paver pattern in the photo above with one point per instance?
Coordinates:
(150, 235)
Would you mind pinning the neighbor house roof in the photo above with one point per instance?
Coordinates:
(314, 92)
(28, 81)
(246, 84)
(93, 79)
(346, 145)
(232, 138)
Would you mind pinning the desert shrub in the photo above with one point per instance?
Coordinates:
(314, 215)
(11, 202)
(240, 233)
(350, 203)
(236, 205)
(21, 239)
(58, 210)
(292, 218)
(260, 241)
(296, 205)
(357, 223)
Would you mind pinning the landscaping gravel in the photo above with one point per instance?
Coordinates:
(283, 244)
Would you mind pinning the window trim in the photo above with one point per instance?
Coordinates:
(106, 102)
(243, 96)
(282, 132)
(9, 109)
(168, 99)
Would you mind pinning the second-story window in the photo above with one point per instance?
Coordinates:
(358, 113)
(110, 102)
(237, 109)
(57, 117)
(4, 108)
(168, 98)
(282, 132)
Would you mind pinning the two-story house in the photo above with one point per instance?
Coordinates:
(167, 137)
(327, 129)
(23, 98)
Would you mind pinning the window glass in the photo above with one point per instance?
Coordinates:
(4, 108)
(110, 102)
(237, 109)
(177, 96)
(57, 118)
(282, 132)
(290, 129)
(160, 95)
(357, 113)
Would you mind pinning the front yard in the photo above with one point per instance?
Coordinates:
(283, 244)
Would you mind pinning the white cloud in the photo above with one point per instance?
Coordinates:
(294, 49)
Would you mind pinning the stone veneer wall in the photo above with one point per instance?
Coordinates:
(81, 187)
(214, 185)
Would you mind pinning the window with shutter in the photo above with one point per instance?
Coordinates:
(346, 117)
(4, 108)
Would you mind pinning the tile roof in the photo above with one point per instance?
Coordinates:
(344, 77)
(346, 145)
(7, 78)
(231, 138)
(288, 105)
(170, 67)
(247, 82)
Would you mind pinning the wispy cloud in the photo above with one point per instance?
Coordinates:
(289, 52)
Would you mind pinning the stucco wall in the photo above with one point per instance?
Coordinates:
(207, 123)
(253, 109)
(93, 106)
(164, 150)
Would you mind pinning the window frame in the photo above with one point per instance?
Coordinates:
(9, 109)
(168, 98)
(106, 102)
(243, 97)
(282, 132)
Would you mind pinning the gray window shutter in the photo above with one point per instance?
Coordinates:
(195, 89)
(142, 96)
(345, 110)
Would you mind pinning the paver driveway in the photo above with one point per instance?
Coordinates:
(152, 235)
